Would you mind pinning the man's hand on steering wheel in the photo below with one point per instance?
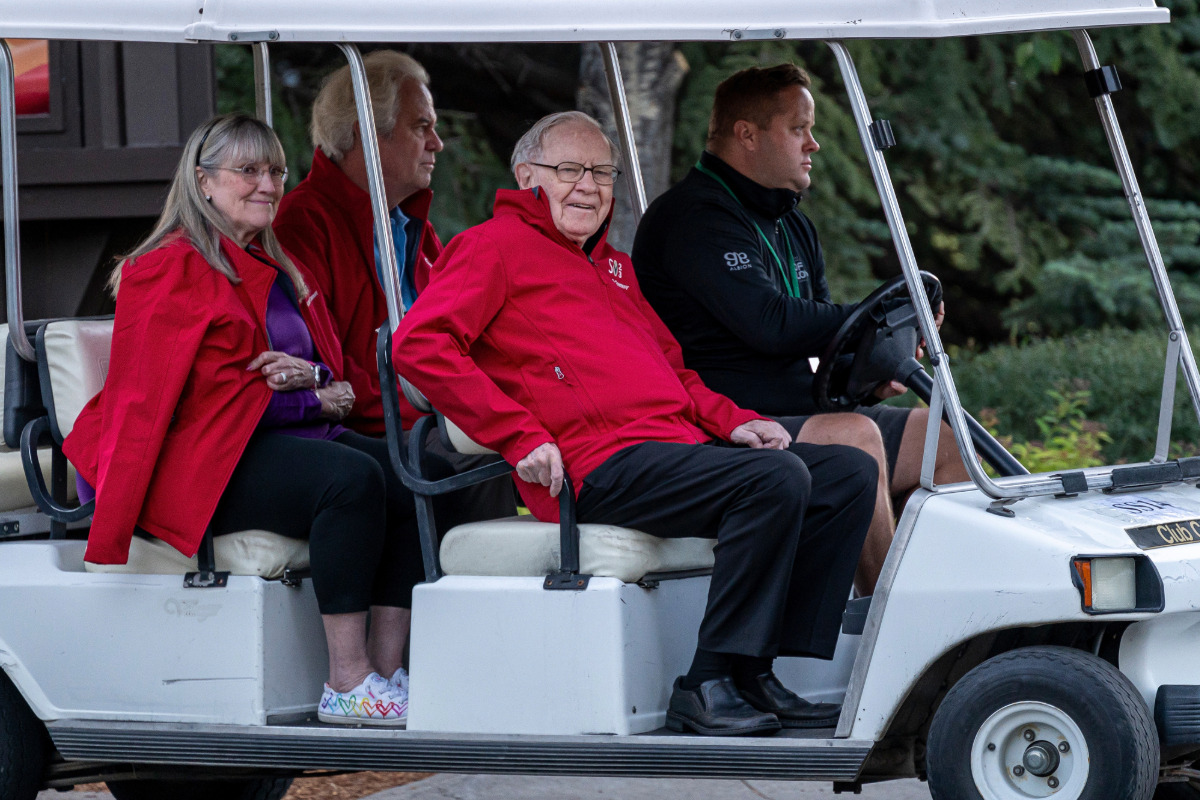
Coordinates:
(895, 388)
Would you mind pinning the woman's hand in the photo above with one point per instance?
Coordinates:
(337, 398)
(285, 373)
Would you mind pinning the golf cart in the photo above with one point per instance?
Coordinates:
(1029, 636)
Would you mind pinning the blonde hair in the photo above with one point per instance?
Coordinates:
(227, 139)
(334, 112)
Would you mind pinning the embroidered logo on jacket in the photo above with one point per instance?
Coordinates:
(737, 261)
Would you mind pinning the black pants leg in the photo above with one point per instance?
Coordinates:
(781, 578)
(358, 519)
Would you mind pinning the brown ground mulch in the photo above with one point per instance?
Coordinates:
(335, 787)
(349, 787)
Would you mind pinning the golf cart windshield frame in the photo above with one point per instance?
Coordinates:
(945, 399)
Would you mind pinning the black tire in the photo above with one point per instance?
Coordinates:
(22, 745)
(1121, 739)
(244, 789)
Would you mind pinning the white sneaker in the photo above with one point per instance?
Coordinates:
(399, 680)
(373, 702)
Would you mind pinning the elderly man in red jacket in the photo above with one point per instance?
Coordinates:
(327, 222)
(534, 338)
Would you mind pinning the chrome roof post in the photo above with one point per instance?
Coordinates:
(370, 144)
(944, 387)
(629, 154)
(12, 223)
(262, 82)
(1141, 218)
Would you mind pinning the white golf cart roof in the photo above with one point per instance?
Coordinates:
(553, 20)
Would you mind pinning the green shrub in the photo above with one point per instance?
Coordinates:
(1069, 440)
(1121, 371)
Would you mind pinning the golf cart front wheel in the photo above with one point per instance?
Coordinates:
(23, 745)
(243, 789)
(1043, 722)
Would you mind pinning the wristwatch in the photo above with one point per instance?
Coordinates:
(321, 375)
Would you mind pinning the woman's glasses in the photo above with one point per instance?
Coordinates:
(252, 173)
(570, 172)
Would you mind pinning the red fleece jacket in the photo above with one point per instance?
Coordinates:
(160, 440)
(521, 338)
(327, 222)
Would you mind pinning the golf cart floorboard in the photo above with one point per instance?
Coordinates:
(790, 755)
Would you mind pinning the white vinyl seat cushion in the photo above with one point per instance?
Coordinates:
(259, 553)
(76, 353)
(524, 547)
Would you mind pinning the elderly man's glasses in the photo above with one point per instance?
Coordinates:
(252, 173)
(570, 172)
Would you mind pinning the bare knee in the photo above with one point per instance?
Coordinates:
(850, 429)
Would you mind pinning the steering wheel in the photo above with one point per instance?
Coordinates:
(875, 344)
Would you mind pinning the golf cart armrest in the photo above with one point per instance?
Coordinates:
(32, 434)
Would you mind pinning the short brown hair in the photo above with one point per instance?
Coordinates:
(752, 95)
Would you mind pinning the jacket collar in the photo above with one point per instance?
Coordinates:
(770, 203)
(341, 192)
(533, 208)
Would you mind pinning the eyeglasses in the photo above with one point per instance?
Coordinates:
(570, 172)
(252, 174)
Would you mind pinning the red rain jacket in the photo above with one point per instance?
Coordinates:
(522, 339)
(327, 222)
(160, 440)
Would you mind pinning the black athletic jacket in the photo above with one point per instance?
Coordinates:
(707, 273)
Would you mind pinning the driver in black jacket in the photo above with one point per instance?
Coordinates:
(736, 272)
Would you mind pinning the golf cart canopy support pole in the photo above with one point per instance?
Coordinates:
(944, 388)
(12, 226)
(629, 154)
(370, 142)
(1141, 218)
(262, 83)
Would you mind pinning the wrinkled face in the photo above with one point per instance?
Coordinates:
(787, 146)
(248, 202)
(407, 156)
(578, 209)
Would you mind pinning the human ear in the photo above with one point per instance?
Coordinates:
(524, 174)
(745, 133)
(203, 181)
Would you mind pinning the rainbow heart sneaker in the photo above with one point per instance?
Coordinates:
(373, 702)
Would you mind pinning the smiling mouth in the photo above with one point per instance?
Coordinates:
(581, 206)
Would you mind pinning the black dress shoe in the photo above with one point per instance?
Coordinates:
(716, 708)
(766, 693)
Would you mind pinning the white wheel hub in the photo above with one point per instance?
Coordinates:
(1027, 750)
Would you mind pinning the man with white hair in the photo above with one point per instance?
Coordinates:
(327, 220)
(534, 338)
(327, 223)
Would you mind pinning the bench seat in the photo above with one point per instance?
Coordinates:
(259, 553)
(524, 547)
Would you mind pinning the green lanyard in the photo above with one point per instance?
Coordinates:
(790, 281)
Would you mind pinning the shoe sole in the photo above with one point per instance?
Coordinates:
(678, 722)
(334, 719)
(830, 722)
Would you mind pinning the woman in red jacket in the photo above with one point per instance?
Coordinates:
(220, 410)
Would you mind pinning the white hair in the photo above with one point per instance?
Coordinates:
(529, 147)
(334, 112)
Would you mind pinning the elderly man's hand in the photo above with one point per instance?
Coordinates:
(544, 465)
(759, 433)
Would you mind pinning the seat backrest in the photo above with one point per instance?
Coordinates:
(457, 441)
(72, 365)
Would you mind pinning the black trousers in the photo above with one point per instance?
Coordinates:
(345, 499)
(789, 526)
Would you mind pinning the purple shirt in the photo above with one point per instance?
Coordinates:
(298, 412)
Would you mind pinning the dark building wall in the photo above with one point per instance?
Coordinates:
(93, 173)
